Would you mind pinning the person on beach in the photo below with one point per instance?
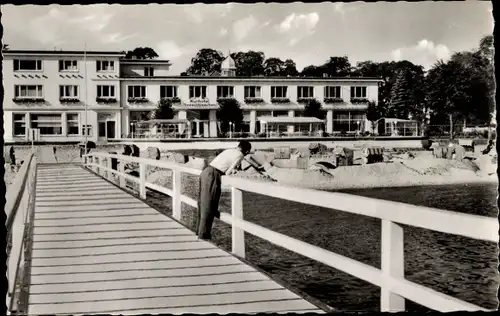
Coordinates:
(226, 163)
(12, 155)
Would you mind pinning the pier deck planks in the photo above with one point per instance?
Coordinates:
(97, 249)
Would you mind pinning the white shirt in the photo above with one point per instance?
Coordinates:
(226, 159)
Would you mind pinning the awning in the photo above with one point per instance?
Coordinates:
(163, 121)
(289, 120)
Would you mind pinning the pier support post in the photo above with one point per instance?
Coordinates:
(142, 181)
(176, 194)
(392, 265)
(238, 234)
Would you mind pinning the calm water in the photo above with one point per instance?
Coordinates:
(458, 266)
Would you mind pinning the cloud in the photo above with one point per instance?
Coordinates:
(223, 32)
(117, 37)
(301, 21)
(170, 50)
(424, 53)
(298, 26)
(194, 12)
(339, 7)
(242, 28)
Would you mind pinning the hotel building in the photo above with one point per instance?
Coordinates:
(47, 91)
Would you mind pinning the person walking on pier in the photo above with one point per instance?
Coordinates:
(226, 163)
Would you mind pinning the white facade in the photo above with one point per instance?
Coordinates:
(38, 94)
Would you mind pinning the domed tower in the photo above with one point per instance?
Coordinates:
(228, 67)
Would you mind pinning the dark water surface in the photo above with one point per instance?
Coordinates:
(454, 265)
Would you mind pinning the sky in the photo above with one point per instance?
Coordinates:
(421, 32)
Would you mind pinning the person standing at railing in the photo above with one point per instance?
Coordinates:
(226, 163)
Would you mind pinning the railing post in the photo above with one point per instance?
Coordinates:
(142, 179)
(392, 265)
(121, 169)
(102, 171)
(110, 167)
(238, 234)
(176, 195)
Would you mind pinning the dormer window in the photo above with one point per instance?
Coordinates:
(68, 65)
(27, 65)
(105, 66)
(149, 72)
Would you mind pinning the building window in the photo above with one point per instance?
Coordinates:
(68, 92)
(149, 72)
(358, 92)
(27, 65)
(72, 124)
(225, 91)
(19, 124)
(105, 91)
(28, 91)
(332, 92)
(87, 129)
(49, 124)
(105, 65)
(168, 91)
(197, 92)
(252, 92)
(279, 92)
(68, 65)
(136, 91)
(280, 113)
(305, 92)
(348, 121)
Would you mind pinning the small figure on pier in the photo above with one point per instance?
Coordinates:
(226, 163)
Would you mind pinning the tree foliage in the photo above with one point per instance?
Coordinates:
(141, 53)
(249, 63)
(229, 111)
(337, 67)
(164, 110)
(206, 62)
(314, 108)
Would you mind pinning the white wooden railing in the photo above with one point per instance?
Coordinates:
(390, 278)
(19, 206)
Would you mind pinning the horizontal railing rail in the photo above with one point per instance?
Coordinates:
(390, 278)
(18, 208)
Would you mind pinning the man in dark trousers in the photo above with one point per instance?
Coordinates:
(226, 163)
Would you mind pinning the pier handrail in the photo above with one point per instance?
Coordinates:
(18, 208)
(390, 278)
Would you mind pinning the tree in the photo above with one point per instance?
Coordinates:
(338, 67)
(454, 92)
(314, 108)
(141, 53)
(290, 68)
(249, 63)
(205, 62)
(164, 110)
(229, 111)
(373, 114)
(312, 71)
(406, 98)
(274, 67)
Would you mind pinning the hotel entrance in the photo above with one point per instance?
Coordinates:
(106, 126)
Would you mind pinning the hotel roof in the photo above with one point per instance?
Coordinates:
(265, 78)
(62, 52)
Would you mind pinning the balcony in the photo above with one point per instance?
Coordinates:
(280, 100)
(105, 100)
(359, 100)
(333, 100)
(69, 100)
(304, 100)
(253, 100)
(138, 100)
(29, 100)
(225, 99)
(172, 99)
